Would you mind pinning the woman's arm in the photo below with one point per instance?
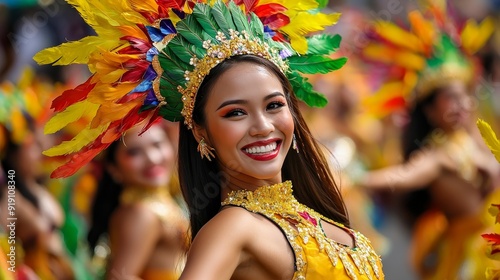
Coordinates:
(423, 168)
(218, 247)
(134, 232)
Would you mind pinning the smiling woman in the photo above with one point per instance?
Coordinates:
(251, 124)
(232, 71)
(146, 228)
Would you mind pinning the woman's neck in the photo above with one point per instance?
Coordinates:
(235, 182)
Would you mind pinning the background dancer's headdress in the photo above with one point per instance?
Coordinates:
(150, 56)
(412, 62)
(23, 105)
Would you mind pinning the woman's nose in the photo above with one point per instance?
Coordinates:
(154, 156)
(262, 125)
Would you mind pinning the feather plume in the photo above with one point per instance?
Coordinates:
(303, 24)
(490, 138)
(315, 64)
(74, 52)
(399, 36)
(201, 13)
(222, 16)
(474, 36)
(240, 20)
(71, 114)
(305, 92)
(323, 44)
(82, 139)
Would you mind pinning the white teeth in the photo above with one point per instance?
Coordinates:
(262, 149)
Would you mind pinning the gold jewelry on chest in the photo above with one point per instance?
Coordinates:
(301, 224)
(158, 200)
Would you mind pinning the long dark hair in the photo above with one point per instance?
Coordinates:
(201, 180)
(415, 137)
(106, 199)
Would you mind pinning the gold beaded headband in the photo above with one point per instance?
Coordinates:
(237, 44)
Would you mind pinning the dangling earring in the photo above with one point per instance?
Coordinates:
(205, 150)
(294, 144)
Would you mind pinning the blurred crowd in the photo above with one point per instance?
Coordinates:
(423, 213)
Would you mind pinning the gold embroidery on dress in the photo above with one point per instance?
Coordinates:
(158, 200)
(278, 204)
(461, 148)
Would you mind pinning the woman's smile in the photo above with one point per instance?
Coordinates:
(263, 150)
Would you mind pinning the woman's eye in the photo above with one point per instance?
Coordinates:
(133, 152)
(234, 113)
(275, 105)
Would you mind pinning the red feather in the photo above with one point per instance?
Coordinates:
(129, 97)
(78, 160)
(250, 5)
(72, 96)
(394, 103)
(276, 21)
(173, 4)
(492, 238)
(137, 72)
(137, 43)
(155, 118)
(263, 11)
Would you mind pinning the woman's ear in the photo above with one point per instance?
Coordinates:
(200, 132)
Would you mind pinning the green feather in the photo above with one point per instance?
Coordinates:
(174, 68)
(201, 13)
(169, 81)
(322, 3)
(222, 16)
(323, 44)
(170, 114)
(239, 18)
(191, 31)
(256, 27)
(182, 49)
(312, 64)
(304, 90)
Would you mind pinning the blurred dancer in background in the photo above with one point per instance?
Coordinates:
(39, 216)
(446, 161)
(147, 229)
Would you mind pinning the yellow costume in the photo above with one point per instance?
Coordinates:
(316, 256)
(160, 202)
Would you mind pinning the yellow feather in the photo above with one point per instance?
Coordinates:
(424, 29)
(399, 36)
(85, 9)
(144, 5)
(82, 139)
(74, 52)
(19, 126)
(110, 112)
(304, 23)
(105, 93)
(474, 36)
(409, 60)
(303, 5)
(71, 114)
(489, 137)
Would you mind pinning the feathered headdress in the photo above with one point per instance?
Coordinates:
(412, 62)
(22, 105)
(150, 56)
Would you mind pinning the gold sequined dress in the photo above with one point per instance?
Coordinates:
(316, 256)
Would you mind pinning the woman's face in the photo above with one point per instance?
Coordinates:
(144, 161)
(450, 111)
(249, 123)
